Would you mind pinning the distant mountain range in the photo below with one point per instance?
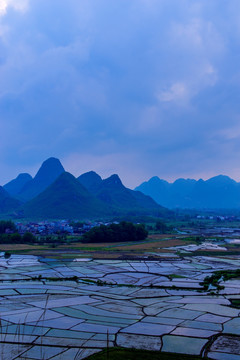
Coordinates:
(56, 194)
(219, 192)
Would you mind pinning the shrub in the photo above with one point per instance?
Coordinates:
(124, 231)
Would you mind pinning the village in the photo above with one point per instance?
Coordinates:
(57, 227)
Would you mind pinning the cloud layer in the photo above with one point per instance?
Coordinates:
(136, 87)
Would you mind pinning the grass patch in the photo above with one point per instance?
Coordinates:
(235, 303)
(218, 276)
(131, 354)
(213, 253)
(176, 276)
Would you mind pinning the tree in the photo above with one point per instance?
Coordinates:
(15, 238)
(7, 224)
(161, 227)
(125, 231)
(28, 238)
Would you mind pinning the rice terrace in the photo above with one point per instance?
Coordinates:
(95, 300)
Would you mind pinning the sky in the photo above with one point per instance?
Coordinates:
(134, 87)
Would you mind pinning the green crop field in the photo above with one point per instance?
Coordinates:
(131, 354)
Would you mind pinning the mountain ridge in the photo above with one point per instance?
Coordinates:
(46, 175)
(7, 203)
(54, 193)
(122, 200)
(64, 198)
(152, 197)
(14, 186)
(218, 192)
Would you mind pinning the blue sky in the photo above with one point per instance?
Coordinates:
(134, 87)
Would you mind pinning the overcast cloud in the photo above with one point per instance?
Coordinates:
(134, 87)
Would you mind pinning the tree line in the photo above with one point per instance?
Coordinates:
(124, 231)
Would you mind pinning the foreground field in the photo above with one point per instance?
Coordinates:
(119, 354)
(65, 309)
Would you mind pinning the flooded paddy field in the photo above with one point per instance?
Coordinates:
(70, 309)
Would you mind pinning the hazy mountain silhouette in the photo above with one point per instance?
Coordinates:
(219, 192)
(119, 199)
(46, 175)
(91, 180)
(53, 193)
(14, 186)
(7, 203)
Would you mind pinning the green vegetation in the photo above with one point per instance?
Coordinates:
(132, 354)
(16, 238)
(7, 255)
(9, 234)
(143, 219)
(29, 238)
(77, 224)
(125, 231)
(7, 225)
(214, 253)
(176, 276)
(216, 277)
(194, 239)
(161, 227)
(235, 303)
(65, 198)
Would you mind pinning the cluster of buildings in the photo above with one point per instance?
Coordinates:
(219, 217)
(45, 227)
(56, 227)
